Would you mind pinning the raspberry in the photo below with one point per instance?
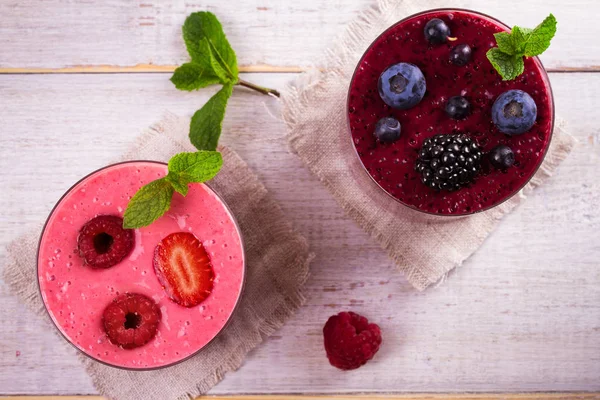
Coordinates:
(103, 242)
(350, 340)
(131, 320)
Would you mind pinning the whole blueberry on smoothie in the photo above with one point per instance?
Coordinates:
(458, 107)
(514, 112)
(387, 130)
(437, 31)
(402, 86)
(461, 55)
(502, 157)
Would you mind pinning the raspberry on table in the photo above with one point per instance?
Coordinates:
(350, 340)
(103, 243)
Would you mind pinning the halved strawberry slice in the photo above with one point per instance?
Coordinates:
(183, 268)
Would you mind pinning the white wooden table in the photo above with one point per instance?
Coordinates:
(80, 79)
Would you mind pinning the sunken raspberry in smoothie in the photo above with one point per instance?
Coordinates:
(142, 298)
(442, 148)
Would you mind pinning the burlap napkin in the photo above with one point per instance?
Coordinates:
(315, 110)
(277, 266)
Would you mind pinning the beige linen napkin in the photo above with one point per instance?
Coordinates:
(277, 261)
(315, 111)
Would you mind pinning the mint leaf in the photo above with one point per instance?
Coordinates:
(513, 42)
(540, 37)
(179, 187)
(507, 58)
(520, 36)
(148, 204)
(508, 66)
(505, 42)
(206, 124)
(205, 25)
(205, 70)
(209, 61)
(185, 168)
(192, 76)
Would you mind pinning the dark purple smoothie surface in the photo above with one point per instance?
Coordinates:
(392, 165)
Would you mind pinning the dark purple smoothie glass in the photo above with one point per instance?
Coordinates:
(392, 166)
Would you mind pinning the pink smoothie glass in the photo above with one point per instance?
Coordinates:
(75, 294)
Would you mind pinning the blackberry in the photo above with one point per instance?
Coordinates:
(448, 162)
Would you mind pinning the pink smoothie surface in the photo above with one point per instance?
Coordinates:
(392, 166)
(75, 295)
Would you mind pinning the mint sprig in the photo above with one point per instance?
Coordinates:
(507, 57)
(213, 62)
(154, 199)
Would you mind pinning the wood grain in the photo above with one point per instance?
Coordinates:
(523, 314)
(148, 68)
(483, 396)
(281, 34)
(139, 68)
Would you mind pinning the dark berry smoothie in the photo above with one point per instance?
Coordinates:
(392, 165)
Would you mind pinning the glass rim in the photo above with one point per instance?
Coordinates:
(517, 190)
(231, 315)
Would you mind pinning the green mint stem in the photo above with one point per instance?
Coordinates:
(260, 89)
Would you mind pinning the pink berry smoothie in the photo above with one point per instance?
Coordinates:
(75, 294)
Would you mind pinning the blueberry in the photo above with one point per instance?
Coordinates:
(458, 107)
(502, 157)
(514, 112)
(460, 55)
(402, 86)
(436, 31)
(387, 130)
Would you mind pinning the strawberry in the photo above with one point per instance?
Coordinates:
(183, 268)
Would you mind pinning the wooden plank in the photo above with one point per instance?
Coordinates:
(147, 68)
(139, 68)
(123, 33)
(523, 314)
(482, 396)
